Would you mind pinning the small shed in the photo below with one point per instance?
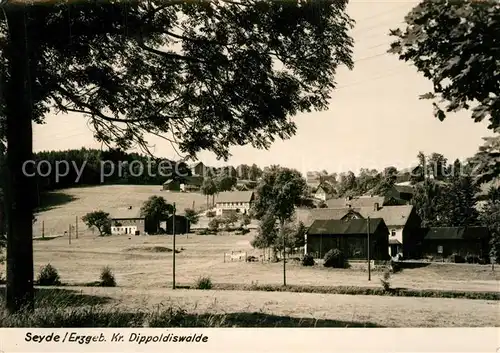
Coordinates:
(463, 241)
(182, 225)
(349, 236)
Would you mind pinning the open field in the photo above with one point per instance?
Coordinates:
(62, 207)
(143, 269)
(137, 263)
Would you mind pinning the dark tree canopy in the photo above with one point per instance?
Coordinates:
(456, 45)
(204, 75)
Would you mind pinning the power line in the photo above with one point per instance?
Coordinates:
(390, 74)
(382, 13)
(370, 57)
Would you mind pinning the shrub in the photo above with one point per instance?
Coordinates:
(204, 283)
(252, 258)
(455, 258)
(210, 214)
(107, 278)
(335, 258)
(307, 260)
(473, 259)
(214, 224)
(386, 280)
(396, 267)
(48, 276)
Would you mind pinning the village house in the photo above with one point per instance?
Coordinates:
(321, 193)
(350, 236)
(441, 242)
(401, 220)
(197, 169)
(233, 201)
(127, 220)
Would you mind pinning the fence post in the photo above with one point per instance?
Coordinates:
(224, 257)
(69, 234)
(76, 227)
(246, 258)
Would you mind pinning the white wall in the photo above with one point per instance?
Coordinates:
(219, 207)
(123, 230)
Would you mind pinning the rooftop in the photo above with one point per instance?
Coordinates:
(455, 233)
(125, 213)
(336, 226)
(234, 196)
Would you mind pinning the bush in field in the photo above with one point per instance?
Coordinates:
(335, 258)
(396, 267)
(48, 276)
(204, 283)
(307, 260)
(107, 278)
(214, 223)
(455, 258)
(386, 280)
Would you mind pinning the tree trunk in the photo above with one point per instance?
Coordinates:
(20, 185)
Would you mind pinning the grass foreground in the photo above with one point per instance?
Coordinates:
(57, 307)
(399, 292)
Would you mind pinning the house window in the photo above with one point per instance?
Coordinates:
(440, 249)
(393, 233)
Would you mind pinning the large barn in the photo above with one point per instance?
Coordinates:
(349, 236)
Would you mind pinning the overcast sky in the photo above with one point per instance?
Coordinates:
(375, 118)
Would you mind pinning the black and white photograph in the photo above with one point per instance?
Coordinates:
(209, 164)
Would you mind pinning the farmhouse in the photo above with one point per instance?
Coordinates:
(197, 169)
(349, 236)
(321, 193)
(127, 221)
(191, 183)
(172, 185)
(441, 242)
(234, 201)
(363, 201)
(402, 221)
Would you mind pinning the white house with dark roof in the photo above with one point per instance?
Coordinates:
(127, 220)
(233, 201)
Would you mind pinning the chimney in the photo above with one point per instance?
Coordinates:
(129, 207)
(376, 206)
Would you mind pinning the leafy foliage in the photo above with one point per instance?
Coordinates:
(118, 66)
(335, 258)
(279, 191)
(490, 217)
(455, 44)
(99, 220)
(155, 210)
(48, 276)
(307, 260)
(191, 215)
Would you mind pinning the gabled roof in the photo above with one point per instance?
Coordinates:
(336, 226)
(456, 233)
(393, 216)
(407, 189)
(195, 164)
(234, 196)
(360, 201)
(125, 213)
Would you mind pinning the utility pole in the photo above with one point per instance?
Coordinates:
(76, 227)
(69, 234)
(43, 229)
(173, 250)
(369, 261)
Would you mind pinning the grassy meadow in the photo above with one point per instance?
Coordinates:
(244, 294)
